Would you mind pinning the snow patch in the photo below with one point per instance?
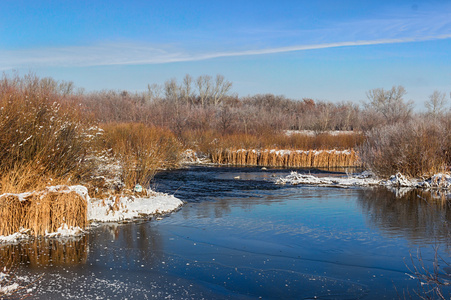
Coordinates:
(399, 180)
(121, 208)
(65, 231)
(295, 178)
(15, 237)
(438, 181)
(313, 133)
(8, 289)
(191, 157)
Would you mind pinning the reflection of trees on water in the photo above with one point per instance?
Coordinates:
(111, 241)
(219, 208)
(42, 252)
(418, 215)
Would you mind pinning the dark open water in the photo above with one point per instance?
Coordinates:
(247, 238)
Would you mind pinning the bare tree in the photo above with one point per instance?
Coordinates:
(203, 84)
(390, 104)
(186, 90)
(224, 119)
(436, 103)
(171, 90)
(66, 87)
(323, 116)
(221, 88)
(154, 91)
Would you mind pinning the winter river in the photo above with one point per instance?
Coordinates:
(240, 236)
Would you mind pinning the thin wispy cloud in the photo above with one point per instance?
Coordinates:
(389, 27)
(387, 24)
(136, 54)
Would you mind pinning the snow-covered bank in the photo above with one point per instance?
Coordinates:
(438, 181)
(295, 178)
(129, 207)
(115, 208)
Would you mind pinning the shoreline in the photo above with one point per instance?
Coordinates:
(113, 209)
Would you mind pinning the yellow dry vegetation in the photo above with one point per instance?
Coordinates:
(41, 212)
(286, 158)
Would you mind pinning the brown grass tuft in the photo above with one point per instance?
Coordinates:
(141, 150)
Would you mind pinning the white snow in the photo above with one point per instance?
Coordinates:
(21, 196)
(442, 181)
(190, 157)
(79, 189)
(8, 288)
(5, 290)
(15, 237)
(313, 133)
(438, 181)
(295, 178)
(121, 208)
(399, 180)
(65, 231)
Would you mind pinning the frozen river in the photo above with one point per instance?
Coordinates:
(240, 236)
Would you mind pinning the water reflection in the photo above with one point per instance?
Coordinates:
(420, 216)
(126, 246)
(43, 252)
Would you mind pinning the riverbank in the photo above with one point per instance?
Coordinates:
(60, 211)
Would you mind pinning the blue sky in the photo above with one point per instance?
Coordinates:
(328, 50)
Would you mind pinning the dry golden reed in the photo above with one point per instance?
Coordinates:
(209, 141)
(140, 150)
(286, 158)
(41, 212)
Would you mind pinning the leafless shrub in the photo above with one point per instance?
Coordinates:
(433, 282)
(390, 104)
(41, 137)
(436, 104)
(416, 148)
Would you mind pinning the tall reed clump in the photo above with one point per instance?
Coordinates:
(417, 148)
(299, 150)
(42, 212)
(286, 158)
(217, 146)
(41, 139)
(140, 150)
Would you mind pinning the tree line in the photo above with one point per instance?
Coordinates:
(200, 110)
